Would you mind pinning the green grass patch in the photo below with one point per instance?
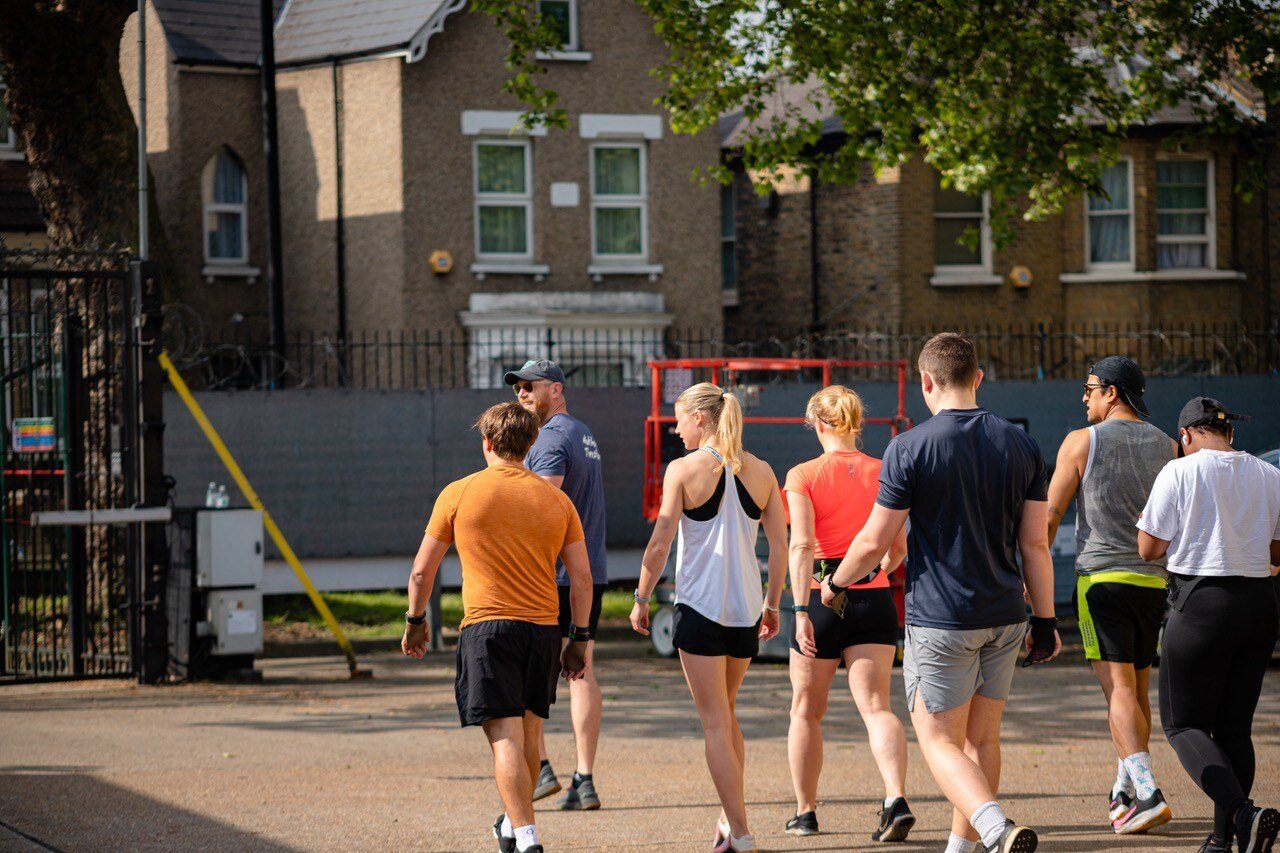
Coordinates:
(370, 615)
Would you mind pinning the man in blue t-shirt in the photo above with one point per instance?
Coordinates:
(975, 488)
(566, 456)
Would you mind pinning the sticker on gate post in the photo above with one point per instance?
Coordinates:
(34, 435)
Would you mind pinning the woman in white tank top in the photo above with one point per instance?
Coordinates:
(716, 498)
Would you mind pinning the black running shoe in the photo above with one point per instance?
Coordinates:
(547, 783)
(1213, 845)
(1015, 839)
(505, 845)
(1256, 829)
(580, 796)
(803, 824)
(895, 822)
(1118, 806)
(1143, 815)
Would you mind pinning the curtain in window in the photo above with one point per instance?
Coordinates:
(225, 236)
(504, 230)
(1181, 255)
(617, 171)
(1182, 210)
(618, 231)
(228, 181)
(1109, 232)
(501, 168)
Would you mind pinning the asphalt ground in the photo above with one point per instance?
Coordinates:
(309, 760)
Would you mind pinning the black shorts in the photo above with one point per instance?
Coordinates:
(597, 596)
(870, 618)
(1119, 622)
(696, 634)
(506, 668)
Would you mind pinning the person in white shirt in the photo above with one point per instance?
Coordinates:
(1215, 514)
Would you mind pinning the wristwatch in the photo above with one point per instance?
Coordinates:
(641, 599)
(799, 608)
(415, 620)
(578, 635)
(833, 586)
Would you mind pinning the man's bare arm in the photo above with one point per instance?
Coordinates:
(870, 545)
(423, 575)
(556, 480)
(1073, 456)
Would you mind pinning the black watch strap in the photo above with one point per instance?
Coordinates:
(577, 634)
(415, 620)
(799, 608)
(835, 587)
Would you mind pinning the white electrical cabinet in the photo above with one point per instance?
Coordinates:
(228, 548)
(235, 619)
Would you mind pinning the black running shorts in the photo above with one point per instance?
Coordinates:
(566, 613)
(506, 668)
(697, 635)
(870, 618)
(1120, 622)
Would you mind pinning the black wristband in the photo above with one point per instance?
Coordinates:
(578, 635)
(415, 620)
(799, 608)
(835, 587)
(1042, 628)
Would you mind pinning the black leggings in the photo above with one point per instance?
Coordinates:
(1217, 646)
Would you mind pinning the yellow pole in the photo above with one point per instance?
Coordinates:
(272, 530)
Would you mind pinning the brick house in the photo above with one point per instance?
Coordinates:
(1173, 244)
(398, 146)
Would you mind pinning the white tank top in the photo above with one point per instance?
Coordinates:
(716, 569)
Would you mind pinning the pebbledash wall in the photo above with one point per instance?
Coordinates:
(354, 473)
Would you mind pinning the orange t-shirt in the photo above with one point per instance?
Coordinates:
(509, 526)
(842, 487)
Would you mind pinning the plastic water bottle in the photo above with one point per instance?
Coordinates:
(223, 499)
(211, 495)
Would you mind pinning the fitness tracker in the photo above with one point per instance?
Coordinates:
(640, 599)
(799, 608)
(415, 620)
(835, 587)
(578, 635)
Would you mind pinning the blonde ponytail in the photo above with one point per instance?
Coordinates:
(725, 412)
(838, 407)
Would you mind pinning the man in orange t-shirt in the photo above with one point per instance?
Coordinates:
(509, 526)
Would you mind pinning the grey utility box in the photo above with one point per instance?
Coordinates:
(228, 547)
(235, 619)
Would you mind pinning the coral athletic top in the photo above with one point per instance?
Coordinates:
(842, 487)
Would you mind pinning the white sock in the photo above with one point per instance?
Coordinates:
(1123, 785)
(889, 801)
(742, 842)
(958, 844)
(505, 830)
(988, 821)
(526, 837)
(1139, 767)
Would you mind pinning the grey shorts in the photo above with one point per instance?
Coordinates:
(947, 667)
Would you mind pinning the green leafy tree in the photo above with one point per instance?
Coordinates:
(1026, 100)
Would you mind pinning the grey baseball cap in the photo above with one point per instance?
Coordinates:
(531, 370)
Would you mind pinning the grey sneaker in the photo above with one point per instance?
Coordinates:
(547, 785)
(581, 796)
(1015, 839)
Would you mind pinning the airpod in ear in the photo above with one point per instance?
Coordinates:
(1186, 439)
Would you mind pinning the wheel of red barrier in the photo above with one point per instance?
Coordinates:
(661, 629)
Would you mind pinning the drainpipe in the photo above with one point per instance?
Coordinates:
(271, 157)
(143, 225)
(815, 268)
(340, 232)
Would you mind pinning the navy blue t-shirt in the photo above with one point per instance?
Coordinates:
(566, 448)
(965, 475)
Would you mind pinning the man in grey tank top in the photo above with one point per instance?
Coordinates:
(1110, 468)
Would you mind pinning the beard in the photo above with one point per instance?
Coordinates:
(538, 408)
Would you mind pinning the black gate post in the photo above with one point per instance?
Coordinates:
(153, 630)
(77, 409)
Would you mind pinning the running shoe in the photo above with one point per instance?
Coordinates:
(505, 845)
(1143, 815)
(895, 822)
(1015, 839)
(1256, 829)
(547, 785)
(803, 824)
(581, 796)
(1213, 845)
(1118, 806)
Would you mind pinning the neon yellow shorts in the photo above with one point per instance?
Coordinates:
(1120, 614)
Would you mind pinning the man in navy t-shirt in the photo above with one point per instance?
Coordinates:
(975, 488)
(566, 456)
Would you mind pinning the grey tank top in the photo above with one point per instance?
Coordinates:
(1124, 459)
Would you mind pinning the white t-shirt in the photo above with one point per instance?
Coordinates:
(1219, 511)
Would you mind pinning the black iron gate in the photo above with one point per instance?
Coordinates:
(74, 595)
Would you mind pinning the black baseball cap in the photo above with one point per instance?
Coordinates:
(1205, 410)
(1128, 379)
(540, 369)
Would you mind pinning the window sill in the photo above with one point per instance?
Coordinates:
(11, 154)
(729, 297)
(965, 279)
(599, 271)
(538, 271)
(212, 271)
(564, 55)
(1123, 277)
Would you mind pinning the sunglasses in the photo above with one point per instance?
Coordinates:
(527, 387)
(1088, 388)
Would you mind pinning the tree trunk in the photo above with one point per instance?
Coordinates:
(61, 62)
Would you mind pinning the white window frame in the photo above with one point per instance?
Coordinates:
(1210, 222)
(492, 199)
(628, 201)
(984, 242)
(571, 46)
(1112, 266)
(212, 207)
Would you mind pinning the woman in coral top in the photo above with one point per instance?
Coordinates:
(830, 499)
